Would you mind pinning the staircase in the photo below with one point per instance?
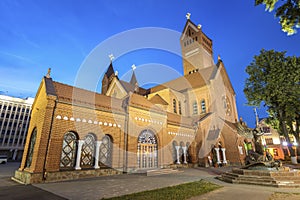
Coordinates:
(157, 172)
(281, 178)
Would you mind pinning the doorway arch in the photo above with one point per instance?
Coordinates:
(147, 150)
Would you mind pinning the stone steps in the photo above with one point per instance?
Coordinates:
(157, 172)
(289, 179)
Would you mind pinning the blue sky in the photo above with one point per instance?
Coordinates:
(36, 35)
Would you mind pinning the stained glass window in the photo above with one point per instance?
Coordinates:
(31, 148)
(106, 151)
(69, 149)
(88, 151)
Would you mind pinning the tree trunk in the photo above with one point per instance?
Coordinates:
(283, 124)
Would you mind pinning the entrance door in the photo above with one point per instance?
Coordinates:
(147, 150)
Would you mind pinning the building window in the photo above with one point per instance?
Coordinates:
(269, 141)
(179, 108)
(31, 148)
(203, 106)
(195, 108)
(88, 151)
(69, 149)
(174, 106)
(106, 151)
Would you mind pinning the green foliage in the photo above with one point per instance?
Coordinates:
(178, 192)
(288, 12)
(274, 79)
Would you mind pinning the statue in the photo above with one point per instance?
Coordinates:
(260, 157)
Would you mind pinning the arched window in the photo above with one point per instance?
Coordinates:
(147, 150)
(174, 106)
(179, 108)
(31, 147)
(106, 151)
(195, 108)
(203, 106)
(69, 149)
(88, 151)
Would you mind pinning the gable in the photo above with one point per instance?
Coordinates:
(189, 26)
(116, 89)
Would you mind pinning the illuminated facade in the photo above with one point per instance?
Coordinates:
(77, 133)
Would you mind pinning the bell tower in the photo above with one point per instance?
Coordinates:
(196, 48)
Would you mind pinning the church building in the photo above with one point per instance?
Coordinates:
(186, 122)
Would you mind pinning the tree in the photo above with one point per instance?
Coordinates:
(274, 79)
(288, 12)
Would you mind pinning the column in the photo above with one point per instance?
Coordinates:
(80, 143)
(218, 155)
(177, 153)
(15, 154)
(184, 154)
(224, 156)
(98, 144)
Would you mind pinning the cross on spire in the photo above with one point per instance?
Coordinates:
(111, 57)
(133, 67)
(188, 15)
(48, 73)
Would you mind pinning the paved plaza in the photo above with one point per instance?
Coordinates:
(109, 186)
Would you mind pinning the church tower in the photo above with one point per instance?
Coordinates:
(107, 78)
(196, 48)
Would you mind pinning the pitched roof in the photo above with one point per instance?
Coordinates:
(157, 99)
(78, 96)
(142, 102)
(131, 88)
(241, 128)
(194, 80)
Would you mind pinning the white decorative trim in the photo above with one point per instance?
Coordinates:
(91, 121)
(181, 134)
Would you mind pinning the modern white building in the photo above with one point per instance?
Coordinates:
(14, 121)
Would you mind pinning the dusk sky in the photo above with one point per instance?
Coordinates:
(36, 35)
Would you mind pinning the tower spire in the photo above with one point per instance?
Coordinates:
(133, 80)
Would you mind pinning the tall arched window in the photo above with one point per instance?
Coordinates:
(106, 151)
(31, 148)
(195, 108)
(88, 151)
(174, 106)
(179, 108)
(147, 150)
(69, 149)
(203, 106)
